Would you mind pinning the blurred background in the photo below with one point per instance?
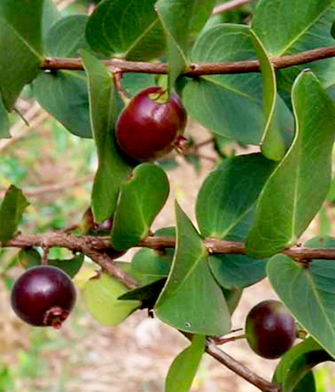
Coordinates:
(55, 170)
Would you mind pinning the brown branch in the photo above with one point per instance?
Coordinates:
(229, 5)
(85, 244)
(240, 369)
(193, 70)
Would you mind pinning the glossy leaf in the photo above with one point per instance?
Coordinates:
(190, 287)
(272, 22)
(20, 46)
(62, 95)
(65, 92)
(296, 189)
(152, 263)
(229, 193)
(11, 210)
(126, 28)
(229, 105)
(4, 121)
(236, 271)
(309, 293)
(105, 105)
(297, 363)
(273, 143)
(30, 258)
(180, 19)
(184, 367)
(142, 196)
(101, 297)
(224, 210)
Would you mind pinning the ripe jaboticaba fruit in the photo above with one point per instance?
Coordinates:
(270, 329)
(149, 126)
(43, 296)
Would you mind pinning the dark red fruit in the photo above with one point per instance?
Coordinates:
(43, 296)
(270, 329)
(148, 128)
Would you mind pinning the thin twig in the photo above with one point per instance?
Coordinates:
(230, 5)
(240, 369)
(193, 70)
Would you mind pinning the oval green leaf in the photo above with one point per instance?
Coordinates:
(297, 364)
(65, 92)
(184, 367)
(20, 46)
(11, 211)
(101, 297)
(229, 105)
(310, 30)
(142, 196)
(105, 106)
(296, 189)
(309, 293)
(181, 18)
(126, 28)
(190, 287)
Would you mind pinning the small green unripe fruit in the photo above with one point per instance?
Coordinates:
(149, 127)
(270, 329)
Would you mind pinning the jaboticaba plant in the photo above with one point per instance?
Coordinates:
(129, 75)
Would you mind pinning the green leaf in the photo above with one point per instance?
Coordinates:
(62, 95)
(273, 143)
(306, 384)
(142, 196)
(126, 28)
(105, 106)
(67, 37)
(190, 287)
(297, 363)
(30, 257)
(152, 262)
(180, 18)
(65, 92)
(184, 367)
(229, 105)
(4, 121)
(229, 193)
(11, 210)
(296, 189)
(101, 297)
(224, 210)
(20, 46)
(236, 271)
(309, 293)
(310, 30)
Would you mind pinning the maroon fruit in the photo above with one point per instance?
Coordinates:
(148, 127)
(270, 329)
(43, 296)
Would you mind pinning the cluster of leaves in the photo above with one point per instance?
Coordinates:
(266, 200)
